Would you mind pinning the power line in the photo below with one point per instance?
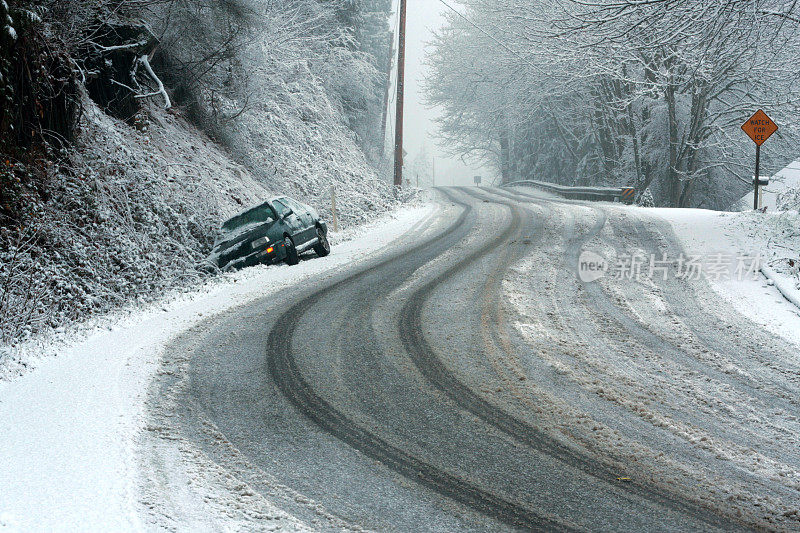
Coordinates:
(489, 35)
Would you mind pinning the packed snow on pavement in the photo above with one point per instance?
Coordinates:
(774, 237)
(73, 421)
(71, 424)
(637, 370)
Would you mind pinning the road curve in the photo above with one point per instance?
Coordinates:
(406, 395)
(285, 373)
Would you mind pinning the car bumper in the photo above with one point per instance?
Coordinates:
(259, 257)
(276, 254)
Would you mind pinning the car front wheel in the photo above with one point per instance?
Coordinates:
(323, 247)
(292, 257)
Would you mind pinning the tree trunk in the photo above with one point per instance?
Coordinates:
(699, 104)
(606, 145)
(505, 171)
(673, 179)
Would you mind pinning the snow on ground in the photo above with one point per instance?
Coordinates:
(782, 189)
(69, 427)
(132, 210)
(773, 235)
(641, 372)
(129, 216)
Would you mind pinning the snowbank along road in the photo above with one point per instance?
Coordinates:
(465, 378)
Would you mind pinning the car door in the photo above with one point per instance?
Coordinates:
(290, 221)
(303, 212)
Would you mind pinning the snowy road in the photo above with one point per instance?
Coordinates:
(464, 378)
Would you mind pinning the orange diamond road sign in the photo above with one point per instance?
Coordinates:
(759, 127)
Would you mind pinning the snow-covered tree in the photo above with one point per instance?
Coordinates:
(421, 170)
(106, 198)
(648, 94)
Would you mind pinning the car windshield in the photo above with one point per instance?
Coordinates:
(261, 214)
(243, 222)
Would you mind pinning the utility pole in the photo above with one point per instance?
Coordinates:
(401, 67)
(434, 172)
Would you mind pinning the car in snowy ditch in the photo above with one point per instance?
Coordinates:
(276, 230)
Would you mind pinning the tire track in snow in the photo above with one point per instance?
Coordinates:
(628, 327)
(288, 377)
(438, 375)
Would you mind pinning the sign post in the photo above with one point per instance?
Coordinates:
(759, 127)
(334, 218)
(755, 183)
(477, 180)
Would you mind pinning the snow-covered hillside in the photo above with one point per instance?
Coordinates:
(132, 210)
(113, 181)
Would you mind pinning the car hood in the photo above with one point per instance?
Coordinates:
(231, 239)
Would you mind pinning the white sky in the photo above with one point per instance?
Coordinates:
(423, 18)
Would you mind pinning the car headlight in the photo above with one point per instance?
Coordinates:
(260, 243)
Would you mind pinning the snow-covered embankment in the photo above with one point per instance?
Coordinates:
(70, 426)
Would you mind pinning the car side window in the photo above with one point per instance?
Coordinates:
(281, 208)
(298, 208)
(291, 203)
(268, 214)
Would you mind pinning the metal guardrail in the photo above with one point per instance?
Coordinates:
(609, 194)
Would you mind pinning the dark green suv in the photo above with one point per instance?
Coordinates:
(277, 230)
